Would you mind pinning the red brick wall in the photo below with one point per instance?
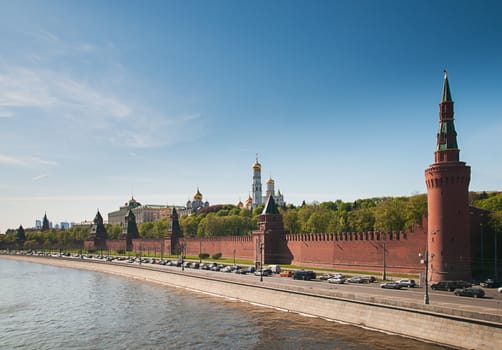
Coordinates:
(360, 251)
(243, 246)
(344, 251)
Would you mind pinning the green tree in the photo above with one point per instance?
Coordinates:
(390, 216)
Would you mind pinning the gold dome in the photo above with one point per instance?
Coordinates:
(256, 165)
(198, 195)
(270, 181)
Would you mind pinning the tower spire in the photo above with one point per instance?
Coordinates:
(446, 96)
(446, 145)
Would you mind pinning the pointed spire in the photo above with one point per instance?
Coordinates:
(270, 207)
(446, 144)
(45, 223)
(446, 96)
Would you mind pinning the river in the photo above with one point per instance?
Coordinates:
(48, 307)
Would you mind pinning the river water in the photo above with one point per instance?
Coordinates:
(47, 307)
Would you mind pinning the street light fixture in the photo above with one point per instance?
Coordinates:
(182, 251)
(261, 261)
(425, 260)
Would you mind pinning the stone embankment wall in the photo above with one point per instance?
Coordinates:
(438, 324)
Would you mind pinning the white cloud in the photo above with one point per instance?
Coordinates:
(24, 161)
(11, 160)
(6, 114)
(39, 177)
(90, 110)
(45, 35)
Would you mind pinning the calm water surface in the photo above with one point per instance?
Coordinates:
(46, 307)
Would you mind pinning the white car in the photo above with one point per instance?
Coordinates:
(337, 280)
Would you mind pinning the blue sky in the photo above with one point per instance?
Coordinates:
(103, 99)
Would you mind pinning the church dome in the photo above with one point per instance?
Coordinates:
(197, 196)
(133, 203)
(270, 181)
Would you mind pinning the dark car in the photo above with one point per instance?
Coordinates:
(449, 286)
(304, 275)
(490, 283)
(264, 272)
(470, 292)
(391, 285)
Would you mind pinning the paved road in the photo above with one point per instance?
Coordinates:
(491, 303)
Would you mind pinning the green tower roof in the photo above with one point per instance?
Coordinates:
(270, 207)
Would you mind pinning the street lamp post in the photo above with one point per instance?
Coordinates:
(182, 256)
(425, 260)
(261, 261)
(482, 247)
(495, 269)
(384, 275)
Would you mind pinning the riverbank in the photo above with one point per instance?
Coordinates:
(442, 324)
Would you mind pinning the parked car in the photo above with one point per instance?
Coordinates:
(407, 283)
(250, 269)
(326, 276)
(336, 280)
(288, 273)
(370, 279)
(358, 279)
(490, 283)
(391, 285)
(274, 268)
(470, 292)
(463, 284)
(449, 286)
(304, 275)
(264, 272)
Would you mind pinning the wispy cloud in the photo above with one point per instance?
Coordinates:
(88, 108)
(45, 35)
(7, 160)
(6, 114)
(39, 177)
(24, 161)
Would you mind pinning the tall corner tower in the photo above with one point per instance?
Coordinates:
(256, 187)
(447, 181)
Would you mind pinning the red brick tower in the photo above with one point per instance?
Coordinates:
(447, 182)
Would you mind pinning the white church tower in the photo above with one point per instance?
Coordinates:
(256, 189)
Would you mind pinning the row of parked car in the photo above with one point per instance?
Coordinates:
(460, 288)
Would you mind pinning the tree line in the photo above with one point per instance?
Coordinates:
(382, 214)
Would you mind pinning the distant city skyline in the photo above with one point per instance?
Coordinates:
(103, 100)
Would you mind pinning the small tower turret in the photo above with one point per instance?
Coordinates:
(130, 230)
